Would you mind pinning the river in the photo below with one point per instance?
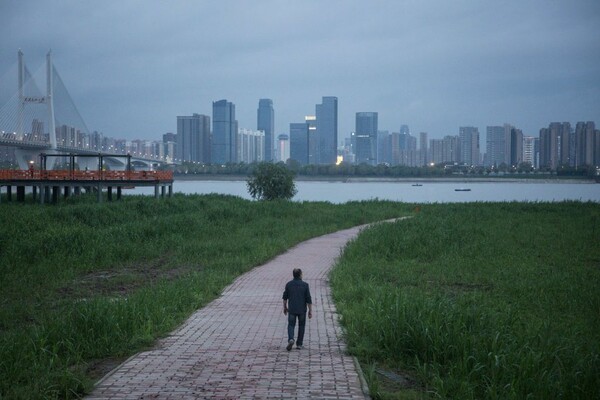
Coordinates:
(431, 191)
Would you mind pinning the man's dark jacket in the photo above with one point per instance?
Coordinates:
(297, 294)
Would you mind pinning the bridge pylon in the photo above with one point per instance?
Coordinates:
(25, 156)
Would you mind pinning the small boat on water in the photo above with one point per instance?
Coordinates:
(462, 190)
(417, 184)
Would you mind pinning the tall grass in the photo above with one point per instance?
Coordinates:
(82, 281)
(477, 301)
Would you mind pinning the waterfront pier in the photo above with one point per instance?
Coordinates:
(48, 186)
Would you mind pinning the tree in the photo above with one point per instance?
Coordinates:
(270, 181)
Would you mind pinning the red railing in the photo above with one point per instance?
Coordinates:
(60, 175)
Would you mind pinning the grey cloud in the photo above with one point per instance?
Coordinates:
(132, 66)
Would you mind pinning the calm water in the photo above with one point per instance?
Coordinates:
(430, 192)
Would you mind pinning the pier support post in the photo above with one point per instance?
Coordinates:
(99, 193)
(9, 193)
(109, 193)
(170, 190)
(67, 191)
(163, 190)
(119, 190)
(156, 191)
(34, 190)
(77, 190)
(47, 194)
(21, 193)
(55, 192)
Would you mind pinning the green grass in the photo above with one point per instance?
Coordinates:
(85, 285)
(477, 301)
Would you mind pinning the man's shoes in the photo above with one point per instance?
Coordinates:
(290, 345)
(299, 347)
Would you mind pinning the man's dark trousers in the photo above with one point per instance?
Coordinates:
(292, 326)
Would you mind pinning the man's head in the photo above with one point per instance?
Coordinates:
(297, 273)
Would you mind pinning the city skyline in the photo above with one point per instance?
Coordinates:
(433, 66)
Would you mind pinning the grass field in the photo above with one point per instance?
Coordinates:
(85, 285)
(469, 301)
(477, 301)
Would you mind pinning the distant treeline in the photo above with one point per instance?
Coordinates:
(384, 170)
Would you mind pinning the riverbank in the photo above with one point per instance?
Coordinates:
(354, 179)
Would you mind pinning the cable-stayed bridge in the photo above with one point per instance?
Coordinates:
(36, 121)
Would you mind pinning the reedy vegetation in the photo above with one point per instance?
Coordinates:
(83, 281)
(477, 301)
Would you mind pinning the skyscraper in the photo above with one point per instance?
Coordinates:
(327, 130)
(516, 146)
(251, 145)
(424, 159)
(384, 154)
(495, 146)
(469, 145)
(558, 146)
(587, 145)
(225, 127)
(299, 142)
(313, 140)
(565, 143)
(366, 138)
(266, 123)
(283, 147)
(193, 138)
(529, 155)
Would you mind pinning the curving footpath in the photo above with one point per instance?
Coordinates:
(234, 348)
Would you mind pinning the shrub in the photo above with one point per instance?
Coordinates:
(270, 181)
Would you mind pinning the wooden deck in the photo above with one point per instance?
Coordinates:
(51, 183)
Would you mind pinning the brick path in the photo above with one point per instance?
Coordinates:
(234, 348)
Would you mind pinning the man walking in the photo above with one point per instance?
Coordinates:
(296, 297)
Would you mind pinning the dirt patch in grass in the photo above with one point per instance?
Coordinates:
(119, 282)
(395, 381)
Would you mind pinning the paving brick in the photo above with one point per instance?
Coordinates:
(234, 348)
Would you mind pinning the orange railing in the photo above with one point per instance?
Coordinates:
(59, 175)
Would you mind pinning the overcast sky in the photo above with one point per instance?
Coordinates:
(132, 66)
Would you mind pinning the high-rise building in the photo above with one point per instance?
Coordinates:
(394, 148)
(407, 146)
(283, 148)
(366, 137)
(384, 155)
(250, 145)
(495, 146)
(327, 130)
(313, 140)
(549, 148)
(565, 143)
(225, 129)
(558, 146)
(299, 142)
(444, 150)
(424, 151)
(529, 155)
(586, 143)
(469, 145)
(266, 123)
(516, 146)
(169, 144)
(193, 138)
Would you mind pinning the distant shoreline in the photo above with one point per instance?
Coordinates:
(356, 179)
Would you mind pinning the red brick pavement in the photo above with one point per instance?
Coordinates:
(234, 348)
